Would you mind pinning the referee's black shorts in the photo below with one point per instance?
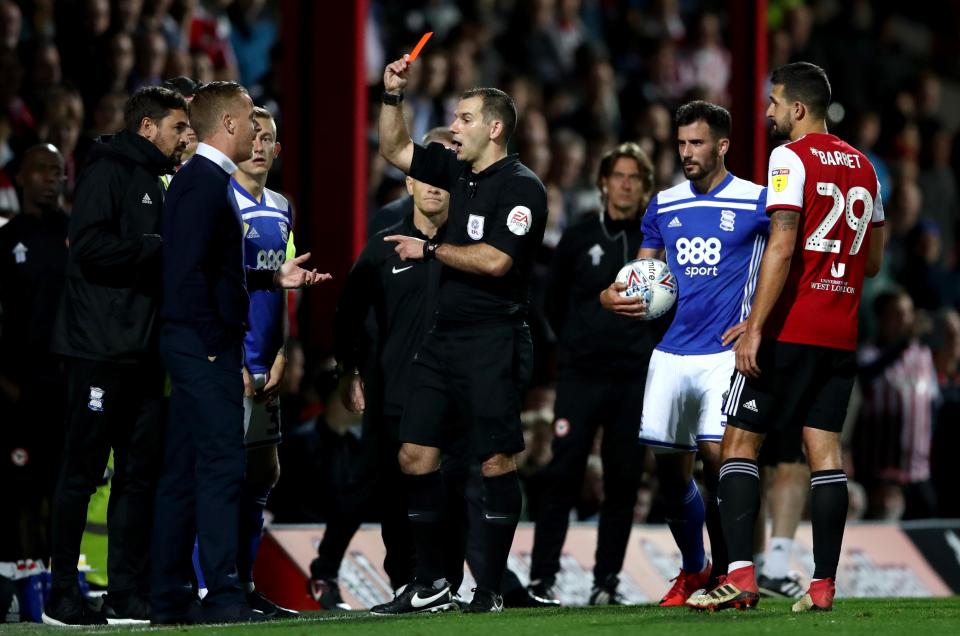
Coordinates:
(470, 376)
(799, 385)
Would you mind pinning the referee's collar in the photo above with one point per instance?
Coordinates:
(493, 167)
(216, 156)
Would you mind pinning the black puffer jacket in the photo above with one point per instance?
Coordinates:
(113, 287)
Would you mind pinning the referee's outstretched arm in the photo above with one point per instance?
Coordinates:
(395, 143)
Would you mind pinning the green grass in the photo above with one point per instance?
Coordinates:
(911, 617)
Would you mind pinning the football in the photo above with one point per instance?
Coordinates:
(651, 280)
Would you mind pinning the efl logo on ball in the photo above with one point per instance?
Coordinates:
(652, 281)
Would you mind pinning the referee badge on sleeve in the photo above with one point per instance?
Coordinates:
(519, 220)
(475, 227)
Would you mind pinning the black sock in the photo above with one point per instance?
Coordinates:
(718, 544)
(502, 501)
(425, 508)
(828, 514)
(739, 496)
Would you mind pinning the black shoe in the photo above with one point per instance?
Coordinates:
(542, 593)
(271, 610)
(125, 609)
(484, 602)
(783, 587)
(605, 593)
(415, 598)
(326, 592)
(69, 607)
(190, 614)
(239, 613)
(521, 597)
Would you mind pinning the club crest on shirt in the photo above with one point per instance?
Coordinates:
(475, 227)
(519, 219)
(727, 219)
(284, 230)
(779, 176)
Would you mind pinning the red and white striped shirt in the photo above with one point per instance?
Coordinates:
(892, 440)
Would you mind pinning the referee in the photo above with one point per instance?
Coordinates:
(469, 361)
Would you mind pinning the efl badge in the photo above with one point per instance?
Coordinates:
(727, 219)
(475, 227)
(561, 427)
(19, 457)
(96, 399)
(284, 230)
(779, 176)
(519, 220)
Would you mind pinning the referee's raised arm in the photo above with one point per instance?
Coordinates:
(395, 143)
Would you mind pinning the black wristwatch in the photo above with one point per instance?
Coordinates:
(430, 250)
(391, 99)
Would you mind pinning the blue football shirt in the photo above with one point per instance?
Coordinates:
(267, 244)
(714, 243)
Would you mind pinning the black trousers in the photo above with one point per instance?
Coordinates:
(198, 493)
(583, 405)
(119, 406)
(380, 490)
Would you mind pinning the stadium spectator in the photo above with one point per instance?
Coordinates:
(946, 432)
(891, 443)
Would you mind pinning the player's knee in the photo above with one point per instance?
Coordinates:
(417, 460)
(498, 464)
(822, 449)
(740, 444)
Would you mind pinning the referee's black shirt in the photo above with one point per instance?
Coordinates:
(504, 206)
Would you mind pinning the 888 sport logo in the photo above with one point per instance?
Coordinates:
(700, 255)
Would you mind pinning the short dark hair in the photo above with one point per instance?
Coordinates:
(181, 84)
(210, 102)
(887, 299)
(805, 83)
(154, 102)
(715, 116)
(630, 150)
(496, 105)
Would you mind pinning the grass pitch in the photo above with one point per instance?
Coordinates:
(911, 617)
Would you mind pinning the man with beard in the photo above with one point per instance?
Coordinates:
(106, 328)
(712, 230)
(796, 355)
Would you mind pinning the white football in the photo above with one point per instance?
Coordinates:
(650, 279)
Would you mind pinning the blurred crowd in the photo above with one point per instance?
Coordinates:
(585, 75)
(69, 66)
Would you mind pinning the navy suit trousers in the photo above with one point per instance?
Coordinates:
(199, 490)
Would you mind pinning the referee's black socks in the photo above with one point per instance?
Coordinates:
(501, 511)
(739, 497)
(426, 501)
(828, 514)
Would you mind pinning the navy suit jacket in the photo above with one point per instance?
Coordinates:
(204, 278)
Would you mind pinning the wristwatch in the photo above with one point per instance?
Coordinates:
(391, 99)
(430, 250)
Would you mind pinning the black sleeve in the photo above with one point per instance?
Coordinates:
(349, 322)
(95, 238)
(435, 165)
(520, 217)
(556, 297)
(260, 279)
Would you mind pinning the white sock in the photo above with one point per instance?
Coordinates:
(736, 565)
(777, 561)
